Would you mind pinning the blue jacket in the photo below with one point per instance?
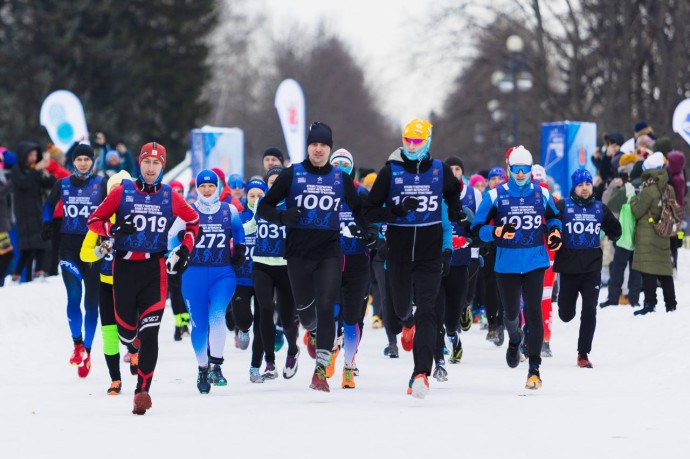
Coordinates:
(514, 260)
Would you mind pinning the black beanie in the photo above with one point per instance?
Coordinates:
(320, 133)
(455, 161)
(274, 152)
(82, 150)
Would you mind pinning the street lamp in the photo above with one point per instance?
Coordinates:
(518, 78)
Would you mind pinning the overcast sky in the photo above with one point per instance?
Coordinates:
(384, 36)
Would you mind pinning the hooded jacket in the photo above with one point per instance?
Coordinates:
(29, 185)
(676, 169)
(652, 252)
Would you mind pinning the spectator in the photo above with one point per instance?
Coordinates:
(272, 157)
(100, 148)
(642, 128)
(126, 161)
(236, 185)
(611, 154)
(30, 179)
(676, 169)
(653, 252)
(112, 165)
(6, 250)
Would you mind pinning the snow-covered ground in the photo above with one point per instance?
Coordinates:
(633, 404)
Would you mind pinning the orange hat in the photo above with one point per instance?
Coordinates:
(369, 180)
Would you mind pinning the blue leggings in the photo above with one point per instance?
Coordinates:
(75, 273)
(207, 292)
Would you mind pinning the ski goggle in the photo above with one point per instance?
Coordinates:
(524, 168)
(414, 141)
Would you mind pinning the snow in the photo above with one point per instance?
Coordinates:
(633, 403)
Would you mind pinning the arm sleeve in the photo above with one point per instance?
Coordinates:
(611, 226)
(237, 227)
(374, 208)
(641, 203)
(447, 229)
(51, 202)
(87, 253)
(278, 192)
(485, 213)
(99, 221)
(552, 215)
(185, 212)
(452, 188)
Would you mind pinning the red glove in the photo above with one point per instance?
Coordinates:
(459, 242)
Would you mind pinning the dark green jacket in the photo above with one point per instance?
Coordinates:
(652, 252)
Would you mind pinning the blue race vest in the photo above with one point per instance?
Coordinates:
(349, 245)
(79, 203)
(319, 197)
(270, 238)
(462, 257)
(582, 225)
(152, 215)
(427, 187)
(526, 213)
(107, 265)
(213, 247)
(243, 274)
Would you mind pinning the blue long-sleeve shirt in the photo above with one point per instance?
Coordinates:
(514, 260)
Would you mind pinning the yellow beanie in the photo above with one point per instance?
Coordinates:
(628, 158)
(369, 180)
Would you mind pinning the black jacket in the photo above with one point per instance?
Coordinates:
(307, 243)
(29, 186)
(572, 261)
(411, 243)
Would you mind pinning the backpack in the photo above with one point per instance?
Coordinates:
(671, 216)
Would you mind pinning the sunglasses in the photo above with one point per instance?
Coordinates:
(524, 168)
(414, 141)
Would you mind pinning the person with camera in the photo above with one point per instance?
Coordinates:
(616, 195)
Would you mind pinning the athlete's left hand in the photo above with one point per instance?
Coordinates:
(553, 240)
(372, 240)
(446, 262)
(467, 215)
(238, 255)
(177, 260)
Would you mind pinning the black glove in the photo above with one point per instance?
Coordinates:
(177, 260)
(506, 231)
(407, 205)
(126, 226)
(238, 256)
(291, 216)
(446, 262)
(372, 238)
(181, 233)
(47, 231)
(553, 240)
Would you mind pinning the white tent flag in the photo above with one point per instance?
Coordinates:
(63, 117)
(681, 120)
(289, 103)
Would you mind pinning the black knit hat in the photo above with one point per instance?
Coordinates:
(455, 161)
(82, 150)
(320, 133)
(274, 152)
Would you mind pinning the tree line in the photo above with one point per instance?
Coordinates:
(156, 69)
